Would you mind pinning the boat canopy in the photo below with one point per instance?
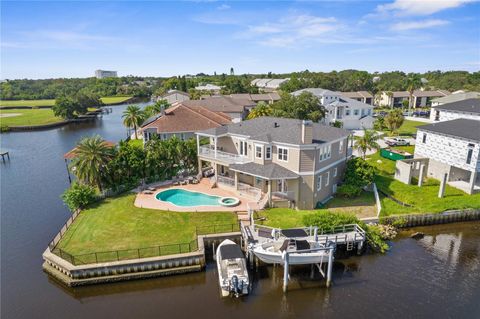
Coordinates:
(299, 244)
(294, 232)
(231, 251)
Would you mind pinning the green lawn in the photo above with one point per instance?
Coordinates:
(116, 224)
(107, 100)
(409, 127)
(20, 117)
(423, 199)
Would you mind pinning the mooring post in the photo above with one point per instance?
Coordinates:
(285, 271)
(443, 183)
(214, 255)
(329, 269)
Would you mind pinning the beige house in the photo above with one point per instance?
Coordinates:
(287, 162)
(420, 98)
(361, 96)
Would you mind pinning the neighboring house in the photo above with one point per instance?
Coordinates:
(468, 109)
(353, 114)
(173, 96)
(450, 148)
(420, 98)
(182, 121)
(236, 108)
(213, 89)
(268, 85)
(361, 96)
(288, 162)
(455, 97)
(268, 98)
(102, 74)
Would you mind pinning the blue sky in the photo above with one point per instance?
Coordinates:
(71, 39)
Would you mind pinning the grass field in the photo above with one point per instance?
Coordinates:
(423, 199)
(106, 100)
(20, 117)
(116, 224)
(409, 128)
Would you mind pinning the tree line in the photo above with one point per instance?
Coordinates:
(347, 80)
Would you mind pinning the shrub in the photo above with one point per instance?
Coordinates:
(349, 191)
(79, 196)
(359, 172)
(328, 220)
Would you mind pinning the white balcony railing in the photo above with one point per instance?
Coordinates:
(209, 152)
(285, 195)
(227, 181)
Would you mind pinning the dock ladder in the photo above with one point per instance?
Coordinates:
(349, 244)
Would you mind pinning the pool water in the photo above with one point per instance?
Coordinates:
(181, 197)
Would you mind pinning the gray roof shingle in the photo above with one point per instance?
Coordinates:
(280, 130)
(464, 128)
(469, 105)
(267, 171)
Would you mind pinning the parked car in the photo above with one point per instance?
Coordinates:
(397, 142)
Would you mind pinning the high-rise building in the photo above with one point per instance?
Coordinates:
(101, 74)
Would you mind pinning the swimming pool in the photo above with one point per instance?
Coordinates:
(181, 197)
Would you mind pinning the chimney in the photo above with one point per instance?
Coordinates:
(307, 132)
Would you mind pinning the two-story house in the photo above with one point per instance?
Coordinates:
(286, 160)
(361, 96)
(467, 109)
(450, 148)
(353, 114)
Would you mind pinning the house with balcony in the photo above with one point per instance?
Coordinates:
(353, 114)
(449, 150)
(467, 109)
(420, 98)
(286, 162)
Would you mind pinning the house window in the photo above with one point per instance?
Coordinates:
(164, 136)
(325, 152)
(258, 151)
(268, 152)
(469, 155)
(355, 112)
(347, 112)
(424, 138)
(243, 148)
(283, 154)
(327, 179)
(319, 182)
(340, 147)
(335, 172)
(182, 136)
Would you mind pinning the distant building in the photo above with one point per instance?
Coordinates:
(212, 88)
(467, 109)
(353, 114)
(268, 85)
(420, 98)
(173, 96)
(455, 97)
(102, 74)
(268, 98)
(236, 108)
(361, 96)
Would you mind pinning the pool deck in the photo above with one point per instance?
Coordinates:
(149, 201)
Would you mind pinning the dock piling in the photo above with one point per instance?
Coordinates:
(285, 271)
(329, 269)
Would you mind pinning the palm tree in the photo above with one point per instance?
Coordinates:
(91, 157)
(133, 116)
(366, 142)
(262, 109)
(413, 82)
(394, 120)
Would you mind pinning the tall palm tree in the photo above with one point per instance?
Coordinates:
(133, 117)
(414, 82)
(366, 142)
(91, 157)
(262, 109)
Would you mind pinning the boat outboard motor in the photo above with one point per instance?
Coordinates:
(235, 285)
(332, 244)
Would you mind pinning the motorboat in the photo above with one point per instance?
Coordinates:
(300, 251)
(232, 269)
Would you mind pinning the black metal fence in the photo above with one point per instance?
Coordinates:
(136, 253)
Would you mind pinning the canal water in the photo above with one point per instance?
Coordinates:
(437, 276)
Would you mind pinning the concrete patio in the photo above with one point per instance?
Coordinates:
(144, 200)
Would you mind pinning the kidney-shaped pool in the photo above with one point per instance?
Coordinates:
(184, 198)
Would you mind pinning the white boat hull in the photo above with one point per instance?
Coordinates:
(241, 273)
(293, 258)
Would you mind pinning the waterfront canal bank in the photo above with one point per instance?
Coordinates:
(437, 276)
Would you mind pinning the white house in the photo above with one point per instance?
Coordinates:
(268, 85)
(212, 88)
(420, 98)
(353, 114)
(452, 148)
(173, 96)
(455, 97)
(468, 109)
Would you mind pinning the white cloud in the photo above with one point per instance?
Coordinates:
(419, 7)
(415, 25)
(293, 30)
(223, 7)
